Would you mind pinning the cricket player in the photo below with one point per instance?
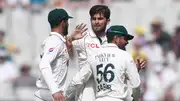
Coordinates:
(55, 57)
(112, 68)
(99, 18)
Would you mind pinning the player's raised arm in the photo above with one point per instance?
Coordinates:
(79, 33)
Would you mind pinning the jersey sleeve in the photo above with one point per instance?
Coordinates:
(78, 44)
(132, 72)
(80, 78)
(50, 52)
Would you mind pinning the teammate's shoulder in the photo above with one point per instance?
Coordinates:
(124, 53)
(56, 38)
(53, 40)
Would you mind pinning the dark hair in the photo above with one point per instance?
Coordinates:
(102, 9)
(56, 23)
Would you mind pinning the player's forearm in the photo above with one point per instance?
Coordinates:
(77, 44)
(78, 80)
(71, 42)
(70, 38)
(71, 91)
(72, 87)
(48, 77)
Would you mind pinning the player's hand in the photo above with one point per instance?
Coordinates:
(58, 96)
(141, 63)
(79, 32)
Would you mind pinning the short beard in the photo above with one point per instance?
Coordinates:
(99, 31)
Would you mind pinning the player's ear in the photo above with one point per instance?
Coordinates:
(115, 37)
(61, 23)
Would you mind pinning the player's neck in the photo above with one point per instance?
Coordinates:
(100, 34)
(57, 30)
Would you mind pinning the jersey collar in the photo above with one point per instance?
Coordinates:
(59, 35)
(93, 35)
(110, 45)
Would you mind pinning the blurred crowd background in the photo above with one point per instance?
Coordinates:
(154, 23)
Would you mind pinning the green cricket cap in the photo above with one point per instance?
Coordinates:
(57, 15)
(118, 30)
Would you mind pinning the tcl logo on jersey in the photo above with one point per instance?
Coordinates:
(92, 45)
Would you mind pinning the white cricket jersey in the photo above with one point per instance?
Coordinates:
(110, 67)
(53, 63)
(86, 46)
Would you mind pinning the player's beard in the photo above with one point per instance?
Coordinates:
(65, 31)
(123, 47)
(99, 29)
